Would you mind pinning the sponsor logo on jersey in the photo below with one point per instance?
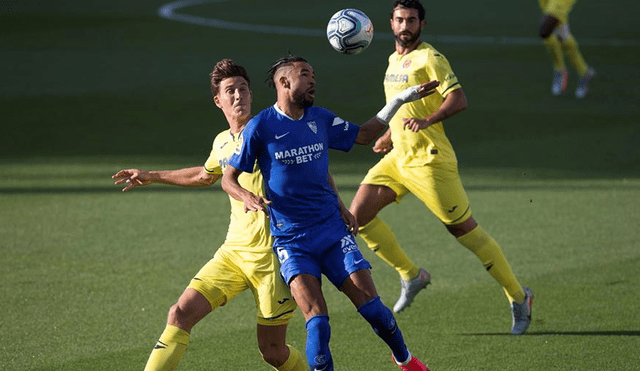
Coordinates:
(223, 162)
(348, 244)
(301, 154)
(406, 64)
(281, 135)
(392, 77)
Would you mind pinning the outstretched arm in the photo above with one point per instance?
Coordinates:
(453, 103)
(372, 128)
(252, 202)
(188, 177)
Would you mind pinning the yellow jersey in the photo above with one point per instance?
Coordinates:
(247, 231)
(429, 145)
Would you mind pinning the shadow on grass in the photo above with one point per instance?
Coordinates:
(568, 333)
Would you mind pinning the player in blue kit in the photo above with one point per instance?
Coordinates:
(312, 229)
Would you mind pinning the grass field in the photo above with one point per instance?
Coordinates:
(88, 273)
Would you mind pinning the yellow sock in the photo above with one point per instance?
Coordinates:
(169, 350)
(382, 241)
(572, 50)
(555, 52)
(490, 254)
(295, 362)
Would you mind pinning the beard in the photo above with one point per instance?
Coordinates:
(302, 100)
(406, 42)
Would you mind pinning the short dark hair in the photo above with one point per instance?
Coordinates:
(224, 69)
(284, 61)
(409, 4)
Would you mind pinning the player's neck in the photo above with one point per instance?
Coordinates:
(237, 124)
(291, 109)
(404, 50)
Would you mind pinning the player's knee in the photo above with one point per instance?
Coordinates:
(176, 315)
(183, 318)
(274, 354)
(562, 32)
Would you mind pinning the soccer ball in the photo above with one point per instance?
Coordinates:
(350, 31)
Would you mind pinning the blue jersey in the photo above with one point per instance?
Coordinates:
(293, 156)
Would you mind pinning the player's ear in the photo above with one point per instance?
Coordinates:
(216, 101)
(284, 81)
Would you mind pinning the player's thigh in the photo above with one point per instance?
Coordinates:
(440, 188)
(220, 280)
(559, 9)
(369, 200)
(341, 256)
(386, 174)
(307, 291)
(274, 303)
(359, 287)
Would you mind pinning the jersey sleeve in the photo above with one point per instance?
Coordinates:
(438, 66)
(245, 154)
(212, 165)
(342, 133)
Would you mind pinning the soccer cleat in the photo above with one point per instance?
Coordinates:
(410, 289)
(583, 84)
(413, 364)
(522, 313)
(560, 82)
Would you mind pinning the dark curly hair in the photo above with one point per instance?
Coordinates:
(409, 4)
(284, 61)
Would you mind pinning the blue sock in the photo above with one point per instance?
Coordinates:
(318, 334)
(384, 324)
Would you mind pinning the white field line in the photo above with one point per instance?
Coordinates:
(169, 11)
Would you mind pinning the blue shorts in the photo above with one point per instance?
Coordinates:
(327, 248)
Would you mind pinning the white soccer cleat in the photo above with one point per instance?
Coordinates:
(410, 289)
(522, 313)
(583, 84)
(560, 82)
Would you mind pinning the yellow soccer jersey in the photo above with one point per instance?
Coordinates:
(557, 8)
(431, 144)
(247, 231)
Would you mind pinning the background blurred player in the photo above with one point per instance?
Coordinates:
(557, 38)
(421, 160)
(291, 141)
(245, 260)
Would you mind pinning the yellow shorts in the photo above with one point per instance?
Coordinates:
(231, 272)
(438, 186)
(558, 8)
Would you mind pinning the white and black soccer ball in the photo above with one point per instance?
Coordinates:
(350, 31)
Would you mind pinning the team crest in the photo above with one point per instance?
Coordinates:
(313, 126)
(406, 64)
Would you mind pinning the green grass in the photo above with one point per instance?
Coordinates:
(88, 273)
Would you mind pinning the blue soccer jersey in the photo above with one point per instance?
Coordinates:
(293, 156)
